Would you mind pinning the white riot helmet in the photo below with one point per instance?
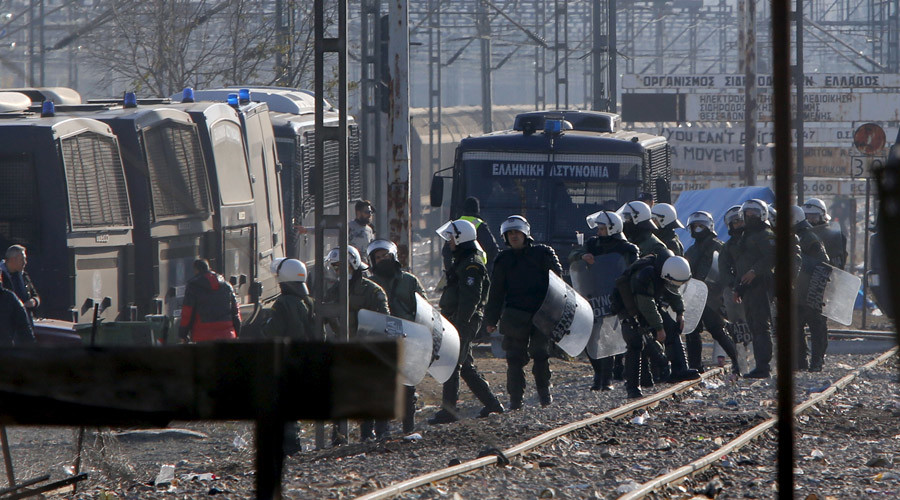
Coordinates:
(772, 215)
(516, 223)
(797, 215)
(732, 214)
(289, 270)
(635, 211)
(383, 245)
(815, 206)
(356, 262)
(611, 220)
(756, 207)
(702, 218)
(665, 214)
(676, 270)
(458, 231)
(291, 275)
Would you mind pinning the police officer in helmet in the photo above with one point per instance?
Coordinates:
(463, 303)
(608, 240)
(812, 252)
(830, 234)
(363, 294)
(401, 288)
(653, 282)
(666, 218)
(292, 313)
(518, 287)
(754, 261)
(700, 256)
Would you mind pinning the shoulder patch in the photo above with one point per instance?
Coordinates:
(470, 281)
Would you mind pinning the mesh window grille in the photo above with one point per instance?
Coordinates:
(330, 189)
(19, 202)
(178, 183)
(95, 182)
(659, 165)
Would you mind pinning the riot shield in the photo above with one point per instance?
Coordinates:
(444, 339)
(564, 316)
(596, 283)
(833, 292)
(693, 294)
(712, 276)
(415, 339)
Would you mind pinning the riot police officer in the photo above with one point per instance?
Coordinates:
(363, 294)
(472, 213)
(292, 313)
(812, 252)
(649, 284)
(639, 226)
(666, 218)
(401, 288)
(608, 240)
(292, 316)
(700, 257)
(753, 266)
(463, 302)
(830, 234)
(518, 287)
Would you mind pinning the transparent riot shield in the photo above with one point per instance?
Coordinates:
(415, 340)
(596, 282)
(444, 339)
(564, 316)
(833, 292)
(693, 294)
(713, 275)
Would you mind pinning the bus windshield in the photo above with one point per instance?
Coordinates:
(555, 192)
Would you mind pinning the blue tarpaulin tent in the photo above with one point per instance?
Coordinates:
(716, 201)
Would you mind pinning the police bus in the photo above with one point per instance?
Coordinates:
(555, 168)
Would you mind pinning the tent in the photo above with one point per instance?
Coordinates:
(716, 201)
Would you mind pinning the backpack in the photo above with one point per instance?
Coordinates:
(622, 299)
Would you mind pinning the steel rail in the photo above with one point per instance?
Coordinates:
(618, 412)
(699, 465)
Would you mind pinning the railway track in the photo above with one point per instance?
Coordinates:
(677, 433)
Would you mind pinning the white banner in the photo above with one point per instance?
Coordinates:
(723, 82)
(817, 107)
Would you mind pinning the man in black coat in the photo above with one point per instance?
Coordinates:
(518, 287)
(15, 327)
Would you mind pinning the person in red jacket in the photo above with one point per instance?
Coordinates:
(209, 311)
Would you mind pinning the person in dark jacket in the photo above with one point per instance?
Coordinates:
(209, 311)
(639, 227)
(654, 282)
(700, 256)
(401, 288)
(472, 213)
(363, 294)
(752, 274)
(608, 240)
(666, 218)
(15, 327)
(812, 252)
(291, 314)
(829, 234)
(463, 303)
(518, 287)
(16, 279)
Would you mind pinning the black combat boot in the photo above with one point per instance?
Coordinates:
(515, 382)
(409, 413)
(444, 416)
(632, 374)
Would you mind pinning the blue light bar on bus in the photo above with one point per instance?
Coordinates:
(187, 95)
(48, 109)
(553, 126)
(244, 96)
(233, 100)
(130, 100)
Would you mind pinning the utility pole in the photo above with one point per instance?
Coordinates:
(613, 78)
(483, 24)
(750, 92)
(398, 128)
(797, 74)
(599, 102)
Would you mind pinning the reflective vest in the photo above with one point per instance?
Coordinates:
(477, 222)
